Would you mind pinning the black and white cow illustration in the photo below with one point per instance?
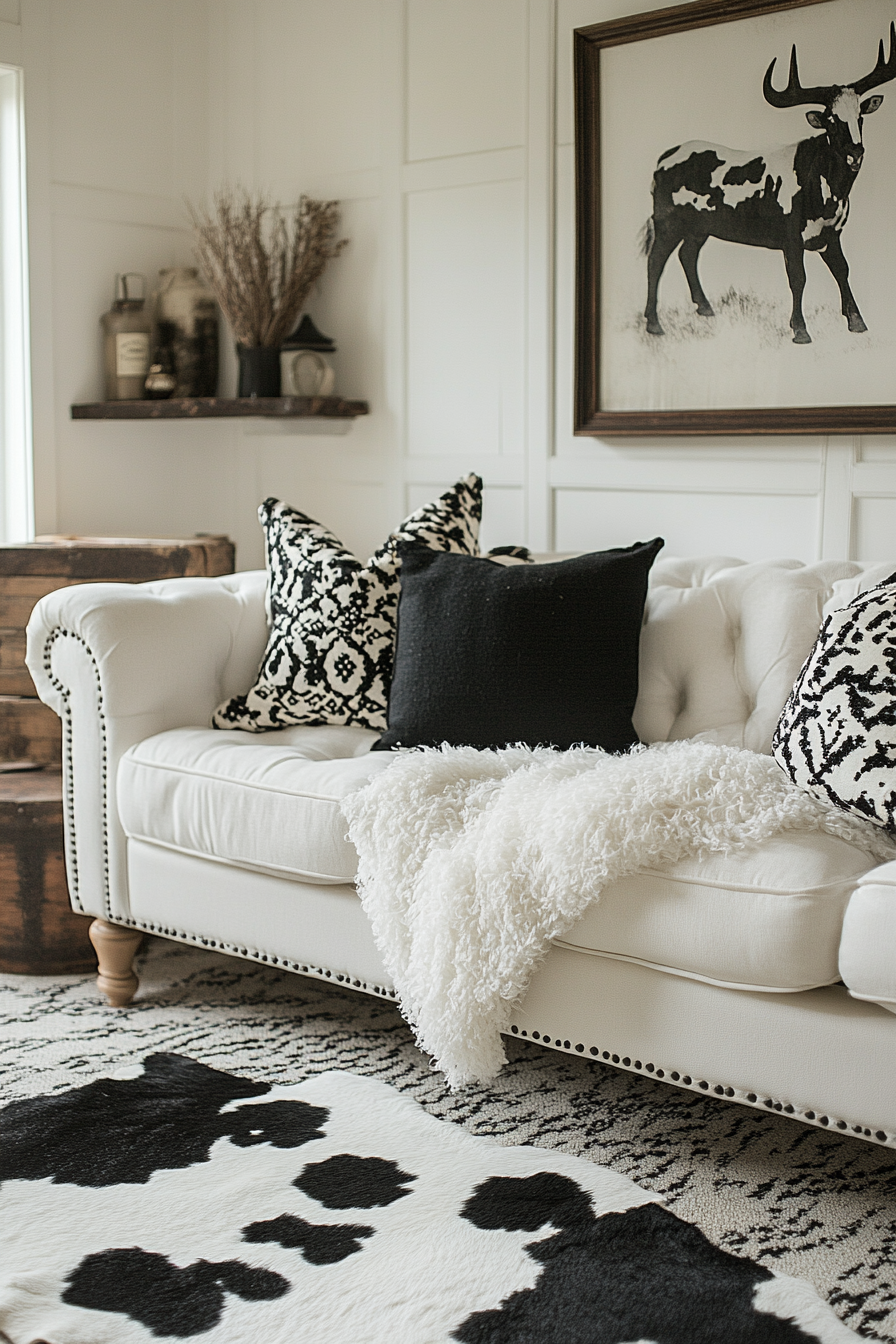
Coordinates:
(188, 1203)
(793, 200)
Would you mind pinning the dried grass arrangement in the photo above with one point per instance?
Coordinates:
(261, 260)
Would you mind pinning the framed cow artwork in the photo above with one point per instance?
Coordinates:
(736, 219)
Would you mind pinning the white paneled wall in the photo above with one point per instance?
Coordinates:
(466, 305)
(445, 128)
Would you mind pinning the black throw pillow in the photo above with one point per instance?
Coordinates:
(543, 654)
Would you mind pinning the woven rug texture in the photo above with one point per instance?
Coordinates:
(800, 1201)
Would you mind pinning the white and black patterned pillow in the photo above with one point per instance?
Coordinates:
(836, 736)
(332, 619)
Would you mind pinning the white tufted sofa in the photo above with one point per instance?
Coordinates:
(768, 977)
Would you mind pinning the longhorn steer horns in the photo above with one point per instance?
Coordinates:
(795, 95)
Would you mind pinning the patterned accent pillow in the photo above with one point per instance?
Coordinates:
(332, 619)
(836, 737)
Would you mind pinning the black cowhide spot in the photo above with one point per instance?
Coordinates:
(639, 1275)
(119, 1131)
(166, 1299)
(350, 1182)
(739, 174)
(320, 1243)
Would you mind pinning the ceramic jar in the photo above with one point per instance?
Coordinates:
(186, 318)
(304, 372)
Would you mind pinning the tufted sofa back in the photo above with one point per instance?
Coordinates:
(723, 642)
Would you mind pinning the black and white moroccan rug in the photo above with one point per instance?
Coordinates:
(222, 1162)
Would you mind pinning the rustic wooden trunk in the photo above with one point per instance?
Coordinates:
(39, 932)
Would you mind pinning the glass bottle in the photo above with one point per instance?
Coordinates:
(127, 329)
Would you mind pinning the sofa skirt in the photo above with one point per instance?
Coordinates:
(817, 1055)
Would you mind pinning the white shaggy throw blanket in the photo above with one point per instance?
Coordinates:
(472, 861)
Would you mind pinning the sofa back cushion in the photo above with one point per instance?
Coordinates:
(724, 641)
(722, 645)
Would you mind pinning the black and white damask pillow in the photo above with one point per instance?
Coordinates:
(836, 737)
(332, 618)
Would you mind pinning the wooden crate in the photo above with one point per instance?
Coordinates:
(119, 559)
(20, 592)
(29, 731)
(40, 934)
(29, 572)
(15, 678)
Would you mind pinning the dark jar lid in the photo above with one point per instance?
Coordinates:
(307, 337)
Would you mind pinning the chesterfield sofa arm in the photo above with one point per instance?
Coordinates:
(119, 662)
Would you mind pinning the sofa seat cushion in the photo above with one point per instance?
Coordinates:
(269, 803)
(766, 918)
(867, 964)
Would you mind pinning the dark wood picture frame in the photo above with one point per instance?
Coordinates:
(590, 419)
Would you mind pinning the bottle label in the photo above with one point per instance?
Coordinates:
(131, 354)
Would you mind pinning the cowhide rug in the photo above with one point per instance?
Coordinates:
(180, 1202)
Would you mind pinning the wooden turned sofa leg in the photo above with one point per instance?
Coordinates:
(115, 948)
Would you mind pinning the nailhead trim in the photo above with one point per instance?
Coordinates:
(69, 776)
(255, 954)
(707, 1085)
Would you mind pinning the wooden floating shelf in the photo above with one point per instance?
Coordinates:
(207, 408)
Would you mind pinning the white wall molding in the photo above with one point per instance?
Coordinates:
(540, 318)
(873, 478)
(363, 185)
(393, 116)
(464, 170)
(119, 207)
(694, 475)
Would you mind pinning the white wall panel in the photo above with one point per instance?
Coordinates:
(317, 91)
(874, 528)
(882, 448)
(466, 76)
(466, 306)
(9, 11)
(748, 527)
(121, 114)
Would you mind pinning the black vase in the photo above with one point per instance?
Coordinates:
(259, 371)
